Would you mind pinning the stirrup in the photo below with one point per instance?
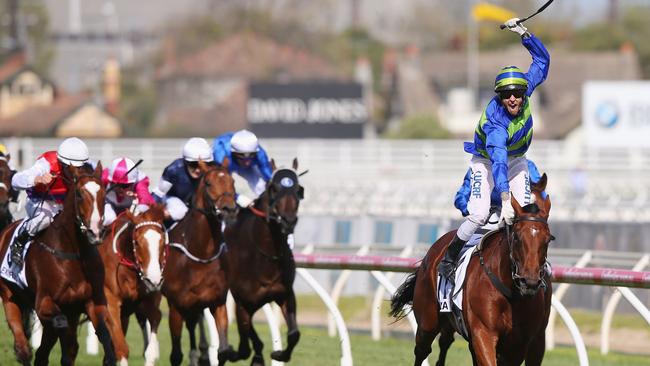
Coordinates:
(447, 270)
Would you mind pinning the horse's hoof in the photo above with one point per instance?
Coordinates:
(194, 357)
(258, 360)
(281, 356)
(176, 358)
(23, 355)
(228, 354)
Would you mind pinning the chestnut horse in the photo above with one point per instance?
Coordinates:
(193, 277)
(134, 255)
(507, 294)
(6, 192)
(259, 264)
(64, 274)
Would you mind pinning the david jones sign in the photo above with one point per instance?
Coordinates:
(307, 109)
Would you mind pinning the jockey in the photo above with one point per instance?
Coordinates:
(247, 159)
(180, 178)
(462, 196)
(501, 139)
(126, 186)
(45, 190)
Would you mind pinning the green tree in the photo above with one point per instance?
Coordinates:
(138, 105)
(423, 126)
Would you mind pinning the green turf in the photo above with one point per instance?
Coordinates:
(317, 349)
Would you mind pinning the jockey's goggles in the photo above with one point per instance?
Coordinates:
(124, 186)
(192, 164)
(517, 93)
(249, 155)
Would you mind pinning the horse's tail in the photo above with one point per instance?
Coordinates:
(403, 296)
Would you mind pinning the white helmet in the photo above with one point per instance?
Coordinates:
(117, 172)
(244, 142)
(196, 149)
(72, 151)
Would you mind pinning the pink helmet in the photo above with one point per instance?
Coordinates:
(117, 172)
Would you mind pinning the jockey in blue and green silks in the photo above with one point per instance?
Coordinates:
(501, 139)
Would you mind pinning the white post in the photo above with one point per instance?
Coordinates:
(573, 329)
(276, 337)
(92, 343)
(559, 294)
(610, 308)
(338, 289)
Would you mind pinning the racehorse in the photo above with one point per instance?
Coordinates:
(134, 255)
(193, 277)
(5, 192)
(64, 274)
(507, 293)
(259, 264)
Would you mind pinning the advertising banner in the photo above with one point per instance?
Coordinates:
(307, 109)
(616, 113)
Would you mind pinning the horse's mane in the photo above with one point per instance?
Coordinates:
(531, 208)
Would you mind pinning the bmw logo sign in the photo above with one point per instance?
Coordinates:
(607, 114)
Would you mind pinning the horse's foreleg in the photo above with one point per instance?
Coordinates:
(115, 325)
(226, 352)
(150, 307)
(99, 316)
(69, 343)
(190, 324)
(445, 341)
(258, 346)
(536, 350)
(142, 322)
(293, 334)
(175, 330)
(204, 347)
(48, 340)
(484, 345)
(14, 316)
(243, 328)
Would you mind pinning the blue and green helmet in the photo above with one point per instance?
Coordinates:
(510, 78)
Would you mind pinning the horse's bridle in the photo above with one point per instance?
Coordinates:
(272, 213)
(135, 263)
(516, 278)
(214, 210)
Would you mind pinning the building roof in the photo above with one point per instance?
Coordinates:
(562, 91)
(42, 120)
(252, 57)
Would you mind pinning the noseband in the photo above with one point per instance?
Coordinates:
(517, 279)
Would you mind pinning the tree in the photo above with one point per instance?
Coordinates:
(423, 126)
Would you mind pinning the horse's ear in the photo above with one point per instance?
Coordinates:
(540, 186)
(516, 206)
(295, 163)
(226, 163)
(547, 205)
(273, 167)
(8, 157)
(98, 170)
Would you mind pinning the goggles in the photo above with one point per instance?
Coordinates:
(505, 94)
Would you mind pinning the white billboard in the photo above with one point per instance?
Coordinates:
(616, 113)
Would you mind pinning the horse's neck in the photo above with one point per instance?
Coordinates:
(64, 227)
(201, 234)
(498, 257)
(123, 238)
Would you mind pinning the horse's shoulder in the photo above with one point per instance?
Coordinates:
(488, 238)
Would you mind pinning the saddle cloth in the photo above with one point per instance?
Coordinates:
(7, 270)
(448, 292)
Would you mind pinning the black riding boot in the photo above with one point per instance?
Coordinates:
(448, 263)
(17, 248)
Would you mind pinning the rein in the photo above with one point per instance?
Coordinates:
(494, 279)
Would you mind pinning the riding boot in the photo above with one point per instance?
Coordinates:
(448, 263)
(17, 248)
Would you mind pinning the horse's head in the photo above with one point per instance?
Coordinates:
(149, 240)
(529, 240)
(86, 199)
(216, 191)
(284, 195)
(5, 184)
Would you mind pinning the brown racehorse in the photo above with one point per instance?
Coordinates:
(64, 274)
(259, 263)
(134, 255)
(507, 294)
(6, 192)
(194, 277)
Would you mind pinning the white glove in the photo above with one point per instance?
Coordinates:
(243, 201)
(507, 212)
(512, 25)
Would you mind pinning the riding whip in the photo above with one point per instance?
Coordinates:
(503, 26)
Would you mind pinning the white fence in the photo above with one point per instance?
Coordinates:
(416, 177)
